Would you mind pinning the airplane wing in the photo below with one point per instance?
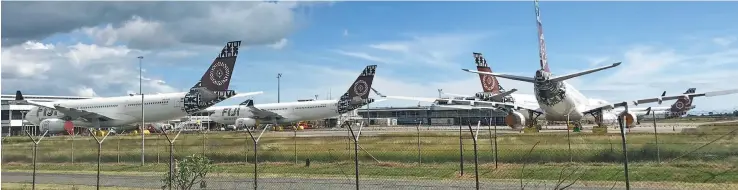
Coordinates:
(90, 116)
(662, 98)
(263, 114)
(456, 95)
(49, 105)
(71, 112)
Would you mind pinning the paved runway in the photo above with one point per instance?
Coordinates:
(153, 182)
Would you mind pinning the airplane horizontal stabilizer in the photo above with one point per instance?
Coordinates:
(247, 94)
(564, 77)
(511, 77)
(497, 96)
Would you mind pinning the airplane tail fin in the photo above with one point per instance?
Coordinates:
(683, 104)
(489, 82)
(358, 94)
(213, 86)
(218, 75)
(541, 42)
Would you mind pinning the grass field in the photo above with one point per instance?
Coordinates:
(708, 155)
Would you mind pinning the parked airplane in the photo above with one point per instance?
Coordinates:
(561, 101)
(125, 110)
(249, 115)
(494, 92)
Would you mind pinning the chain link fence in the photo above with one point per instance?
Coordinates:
(684, 157)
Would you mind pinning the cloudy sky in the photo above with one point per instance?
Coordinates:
(90, 48)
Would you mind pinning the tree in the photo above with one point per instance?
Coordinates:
(189, 171)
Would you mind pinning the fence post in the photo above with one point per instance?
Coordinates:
(294, 141)
(621, 120)
(656, 136)
(356, 151)
(256, 157)
(99, 154)
(420, 158)
(72, 146)
(568, 137)
(35, 149)
(171, 156)
(461, 150)
(204, 142)
(476, 158)
(118, 149)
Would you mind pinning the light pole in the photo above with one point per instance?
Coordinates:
(279, 75)
(140, 91)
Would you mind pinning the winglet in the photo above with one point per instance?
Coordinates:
(248, 102)
(18, 95)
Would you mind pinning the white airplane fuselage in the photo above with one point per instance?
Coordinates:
(574, 103)
(125, 109)
(289, 111)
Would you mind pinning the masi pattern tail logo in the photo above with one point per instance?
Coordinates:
(213, 86)
(358, 95)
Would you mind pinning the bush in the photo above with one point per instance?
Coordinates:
(189, 171)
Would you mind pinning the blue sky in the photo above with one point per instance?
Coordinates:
(421, 46)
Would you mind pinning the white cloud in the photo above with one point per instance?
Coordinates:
(279, 44)
(364, 56)
(78, 69)
(724, 41)
(155, 25)
(84, 91)
(345, 32)
(435, 50)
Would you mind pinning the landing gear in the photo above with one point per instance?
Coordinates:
(532, 121)
(600, 127)
(531, 125)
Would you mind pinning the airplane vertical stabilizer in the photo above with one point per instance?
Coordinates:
(541, 41)
(358, 94)
(213, 85)
(489, 82)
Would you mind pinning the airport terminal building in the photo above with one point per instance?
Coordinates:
(431, 115)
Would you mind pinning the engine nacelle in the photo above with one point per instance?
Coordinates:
(629, 118)
(515, 120)
(54, 125)
(245, 122)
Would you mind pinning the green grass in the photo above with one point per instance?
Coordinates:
(435, 147)
(707, 155)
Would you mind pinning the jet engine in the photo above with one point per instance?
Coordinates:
(55, 125)
(245, 122)
(630, 119)
(515, 120)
